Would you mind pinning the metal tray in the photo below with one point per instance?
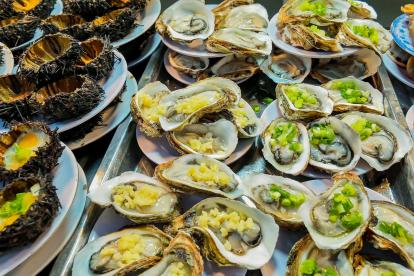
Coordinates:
(123, 154)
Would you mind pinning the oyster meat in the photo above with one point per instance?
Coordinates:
(140, 198)
(181, 257)
(217, 140)
(245, 119)
(305, 258)
(224, 8)
(278, 196)
(198, 173)
(303, 101)
(286, 68)
(365, 33)
(339, 216)
(286, 146)
(233, 234)
(360, 65)
(192, 66)
(252, 17)
(383, 141)
(186, 20)
(352, 94)
(361, 10)
(145, 109)
(238, 41)
(376, 267)
(335, 147)
(108, 254)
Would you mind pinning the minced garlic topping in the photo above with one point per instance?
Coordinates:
(127, 249)
(177, 269)
(209, 174)
(225, 223)
(194, 103)
(240, 115)
(130, 197)
(202, 144)
(150, 108)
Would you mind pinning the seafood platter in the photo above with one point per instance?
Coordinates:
(248, 145)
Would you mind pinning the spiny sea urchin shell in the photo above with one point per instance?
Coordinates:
(17, 30)
(115, 24)
(70, 24)
(38, 8)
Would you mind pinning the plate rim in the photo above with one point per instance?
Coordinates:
(396, 71)
(155, 38)
(8, 60)
(393, 29)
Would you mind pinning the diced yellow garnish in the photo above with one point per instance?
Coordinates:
(177, 269)
(149, 105)
(8, 221)
(129, 197)
(240, 115)
(209, 174)
(192, 104)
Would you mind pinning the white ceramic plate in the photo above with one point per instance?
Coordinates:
(6, 67)
(146, 20)
(111, 117)
(152, 44)
(37, 262)
(66, 181)
(277, 265)
(158, 150)
(409, 118)
(194, 49)
(397, 71)
(272, 112)
(278, 42)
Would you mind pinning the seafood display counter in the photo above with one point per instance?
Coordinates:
(123, 154)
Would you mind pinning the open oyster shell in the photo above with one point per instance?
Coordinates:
(182, 255)
(188, 105)
(303, 101)
(272, 194)
(225, 6)
(338, 217)
(360, 65)
(238, 41)
(361, 10)
(198, 173)
(140, 198)
(145, 108)
(138, 243)
(192, 66)
(350, 35)
(392, 227)
(366, 268)
(305, 250)
(322, 38)
(374, 100)
(252, 17)
(281, 154)
(245, 119)
(340, 153)
(221, 83)
(296, 11)
(217, 140)
(251, 247)
(186, 20)
(387, 142)
(286, 68)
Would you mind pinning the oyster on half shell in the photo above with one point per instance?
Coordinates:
(392, 227)
(362, 10)
(217, 140)
(278, 196)
(108, 254)
(303, 101)
(186, 20)
(335, 146)
(338, 217)
(286, 146)
(192, 66)
(383, 141)
(252, 17)
(232, 233)
(198, 173)
(140, 198)
(377, 267)
(245, 119)
(352, 94)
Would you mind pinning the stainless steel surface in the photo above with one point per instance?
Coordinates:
(123, 154)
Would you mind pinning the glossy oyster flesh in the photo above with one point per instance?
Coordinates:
(224, 7)
(217, 221)
(252, 17)
(192, 66)
(245, 119)
(350, 93)
(186, 20)
(376, 267)
(362, 10)
(198, 173)
(217, 140)
(286, 146)
(238, 41)
(360, 65)
(305, 256)
(110, 253)
(392, 227)
(286, 68)
(339, 216)
(278, 196)
(383, 141)
(335, 146)
(303, 101)
(140, 198)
